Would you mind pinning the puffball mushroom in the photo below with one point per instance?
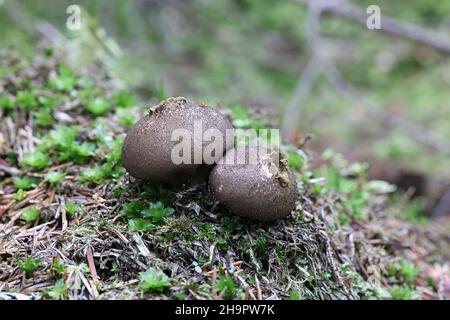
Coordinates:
(148, 147)
(259, 190)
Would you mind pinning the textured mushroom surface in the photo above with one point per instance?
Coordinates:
(259, 190)
(147, 148)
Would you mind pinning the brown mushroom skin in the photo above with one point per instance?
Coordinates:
(146, 151)
(248, 191)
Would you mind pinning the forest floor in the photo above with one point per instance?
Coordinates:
(74, 225)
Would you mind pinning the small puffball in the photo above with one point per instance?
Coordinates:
(263, 189)
(148, 146)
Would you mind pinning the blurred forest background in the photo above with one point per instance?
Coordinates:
(253, 56)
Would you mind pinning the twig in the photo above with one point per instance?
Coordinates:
(91, 264)
(258, 288)
(213, 285)
(306, 81)
(10, 170)
(247, 288)
(441, 287)
(294, 109)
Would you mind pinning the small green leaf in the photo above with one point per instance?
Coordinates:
(124, 99)
(198, 269)
(20, 195)
(24, 183)
(58, 291)
(132, 209)
(44, 118)
(48, 103)
(62, 136)
(98, 107)
(72, 208)
(77, 153)
(158, 192)
(27, 100)
(295, 160)
(139, 225)
(92, 175)
(126, 119)
(6, 102)
(295, 295)
(239, 112)
(156, 213)
(226, 286)
(403, 270)
(30, 265)
(58, 266)
(54, 178)
(65, 81)
(242, 120)
(30, 215)
(154, 280)
(402, 293)
(37, 160)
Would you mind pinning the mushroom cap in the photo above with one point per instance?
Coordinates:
(257, 190)
(147, 148)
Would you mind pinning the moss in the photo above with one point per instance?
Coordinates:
(402, 293)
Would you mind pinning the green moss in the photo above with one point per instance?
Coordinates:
(296, 160)
(404, 271)
(72, 208)
(36, 160)
(24, 183)
(30, 215)
(98, 106)
(27, 100)
(29, 265)
(154, 280)
(142, 218)
(54, 178)
(58, 267)
(44, 118)
(226, 287)
(65, 81)
(402, 293)
(124, 100)
(20, 195)
(94, 174)
(209, 231)
(126, 118)
(58, 291)
(6, 102)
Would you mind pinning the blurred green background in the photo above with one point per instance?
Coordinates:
(251, 53)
